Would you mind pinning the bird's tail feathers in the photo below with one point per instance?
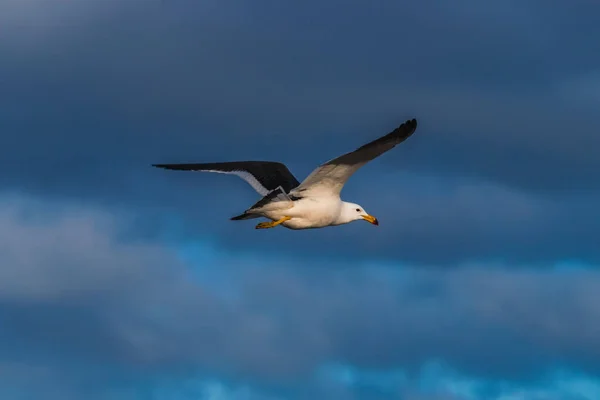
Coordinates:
(245, 215)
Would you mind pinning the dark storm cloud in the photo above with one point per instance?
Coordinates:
(504, 94)
(90, 95)
(504, 168)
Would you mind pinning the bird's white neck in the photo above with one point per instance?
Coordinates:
(347, 213)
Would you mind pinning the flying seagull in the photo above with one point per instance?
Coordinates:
(314, 203)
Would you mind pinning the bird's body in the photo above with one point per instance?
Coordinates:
(316, 201)
(306, 213)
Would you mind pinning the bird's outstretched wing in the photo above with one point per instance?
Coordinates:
(329, 178)
(263, 176)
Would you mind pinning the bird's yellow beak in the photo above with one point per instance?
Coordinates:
(371, 219)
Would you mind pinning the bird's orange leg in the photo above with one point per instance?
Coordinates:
(272, 224)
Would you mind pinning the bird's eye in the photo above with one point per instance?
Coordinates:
(358, 210)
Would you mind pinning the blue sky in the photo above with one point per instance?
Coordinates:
(122, 282)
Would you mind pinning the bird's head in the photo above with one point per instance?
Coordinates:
(354, 212)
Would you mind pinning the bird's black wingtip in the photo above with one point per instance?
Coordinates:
(408, 127)
(411, 124)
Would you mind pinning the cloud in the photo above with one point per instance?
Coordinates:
(102, 302)
(76, 290)
(188, 84)
(56, 252)
(507, 131)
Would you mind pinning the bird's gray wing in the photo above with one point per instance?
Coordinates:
(263, 176)
(329, 178)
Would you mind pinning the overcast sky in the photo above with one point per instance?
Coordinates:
(123, 282)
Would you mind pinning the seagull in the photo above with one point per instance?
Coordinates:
(314, 203)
